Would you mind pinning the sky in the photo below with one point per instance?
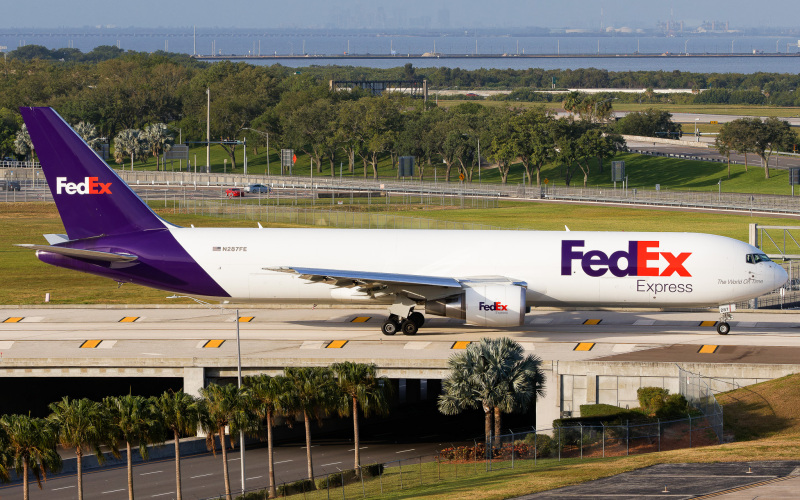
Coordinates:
(395, 14)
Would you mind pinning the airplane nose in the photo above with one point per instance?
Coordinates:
(780, 276)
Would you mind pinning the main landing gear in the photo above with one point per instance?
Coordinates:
(409, 325)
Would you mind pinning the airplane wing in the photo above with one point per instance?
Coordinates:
(366, 279)
(83, 254)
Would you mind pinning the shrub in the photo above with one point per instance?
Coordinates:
(543, 444)
(334, 480)
(652, 399)
(674, 407)
(372, 470)
(296, 487)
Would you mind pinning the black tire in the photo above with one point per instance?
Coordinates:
(408, 327)
(417, 318)
(723, 328)
(390, 327)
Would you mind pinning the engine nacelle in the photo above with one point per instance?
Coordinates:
(484, 305)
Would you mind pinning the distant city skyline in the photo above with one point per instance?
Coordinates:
(408, 14)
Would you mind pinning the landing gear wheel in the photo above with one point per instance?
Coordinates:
(390, 327)
(417, 318)
(723, 328)
(409, 327)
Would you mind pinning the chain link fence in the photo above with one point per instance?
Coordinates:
(663, 197)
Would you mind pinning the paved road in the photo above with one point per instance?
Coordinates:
(202, 475)
(736, 480)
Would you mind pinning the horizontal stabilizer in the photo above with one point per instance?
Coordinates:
(55, 239)
(364, 277)
(83, 254)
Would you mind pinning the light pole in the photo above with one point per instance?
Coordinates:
(238, 365)
(696, 135)
(262, 133)
(208, 132)
(686, 47)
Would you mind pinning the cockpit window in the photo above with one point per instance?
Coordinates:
(755, 258)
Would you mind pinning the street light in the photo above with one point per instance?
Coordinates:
(262, 133)
(238, 364)
(696, 135)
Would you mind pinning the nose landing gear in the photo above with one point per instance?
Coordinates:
(723, 327)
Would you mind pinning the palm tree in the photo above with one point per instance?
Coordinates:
(222, 406)
(130, 420)
(312, 391)
(6, 458)
(178, 413)
(157, 139)
(361, 387)
(88, 133)
(32, 444)
(495, 374)
(79, 425)
(131, 142)
(268, 396)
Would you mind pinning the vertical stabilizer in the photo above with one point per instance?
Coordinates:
(91, 198)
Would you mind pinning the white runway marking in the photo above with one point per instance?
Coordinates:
(416, 345)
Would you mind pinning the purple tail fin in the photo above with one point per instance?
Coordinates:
(91, 198)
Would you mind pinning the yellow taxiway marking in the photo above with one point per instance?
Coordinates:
(461, 344)
(584, 346)
(213, 344)
(708, 323)
(360, 319)
(246, 319)
(90, 344)
(129, 319)
(592, 321)
(336, 344)
(708, 349)
(12, 320)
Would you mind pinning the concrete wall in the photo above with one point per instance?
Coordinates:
(571, 384)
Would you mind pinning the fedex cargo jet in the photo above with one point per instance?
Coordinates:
(488, 278)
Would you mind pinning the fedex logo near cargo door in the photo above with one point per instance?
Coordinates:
(642, 258)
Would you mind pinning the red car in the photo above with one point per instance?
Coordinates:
(234, 192)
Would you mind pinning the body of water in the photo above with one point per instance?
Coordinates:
(318, 43)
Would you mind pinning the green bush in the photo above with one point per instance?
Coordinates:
(296, 487)
(674, 407)
(543, 444)
(334, 480)
(601, 410)
(652, 399)
(372, 470)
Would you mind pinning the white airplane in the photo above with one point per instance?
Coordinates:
(487, 278)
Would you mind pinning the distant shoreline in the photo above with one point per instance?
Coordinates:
(278, 57)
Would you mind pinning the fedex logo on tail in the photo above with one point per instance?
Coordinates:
(88, 186)
(494, 306)
(641, 259)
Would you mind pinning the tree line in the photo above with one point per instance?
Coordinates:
(753, 135)
(776, 88)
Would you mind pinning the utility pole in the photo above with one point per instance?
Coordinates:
(208, 132)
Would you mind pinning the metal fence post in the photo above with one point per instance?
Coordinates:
(690, 430)
(627, 437)
(380, 479)
(363, 490)
(401, 474)
(534, 447)
(659, 434)
(559, 443)
(513, 447)
(579, 423)
(604, 439)
(420, 470)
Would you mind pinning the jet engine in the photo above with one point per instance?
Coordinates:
(496, 305)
